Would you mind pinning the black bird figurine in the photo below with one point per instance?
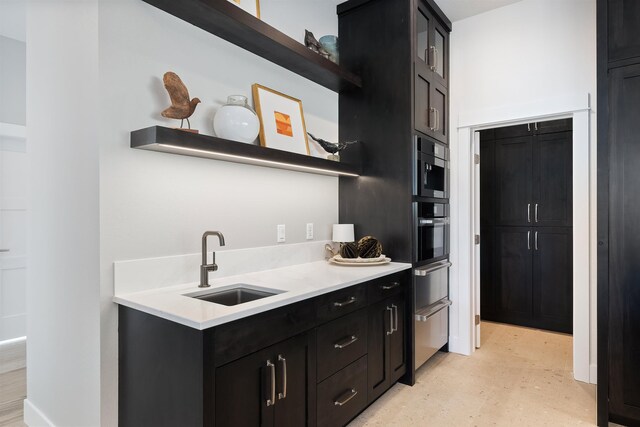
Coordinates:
(312, 43)
(331, 147)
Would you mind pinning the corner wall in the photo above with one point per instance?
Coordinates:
(531, 53)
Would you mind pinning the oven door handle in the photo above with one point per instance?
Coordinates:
(425, 314)
(431, 268)
(435, 221)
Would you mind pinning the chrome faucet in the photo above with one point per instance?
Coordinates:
(206, 268)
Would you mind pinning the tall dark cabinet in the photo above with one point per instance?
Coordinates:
(618, 212)
(400, 48)
(526, 225)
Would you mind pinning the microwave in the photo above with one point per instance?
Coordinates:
(431, 225)
(432, 169)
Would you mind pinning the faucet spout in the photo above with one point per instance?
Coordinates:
(205, 268)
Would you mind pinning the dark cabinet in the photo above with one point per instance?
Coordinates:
(386, 361)
(624, 21)
(431, 41)
(431, 112)
(513, 179)
(267, 388)
(553, 189)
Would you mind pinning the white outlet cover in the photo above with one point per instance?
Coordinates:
(281, 233)
(310, 231)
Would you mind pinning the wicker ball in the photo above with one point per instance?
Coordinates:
(369, 247)
(349, 250)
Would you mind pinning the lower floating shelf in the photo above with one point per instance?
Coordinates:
(174, 141)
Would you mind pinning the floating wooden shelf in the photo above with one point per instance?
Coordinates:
(227, 21)
(166, 140)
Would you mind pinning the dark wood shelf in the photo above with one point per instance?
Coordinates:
(227, 21)
(174, 141)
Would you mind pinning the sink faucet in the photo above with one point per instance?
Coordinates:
(206, 268)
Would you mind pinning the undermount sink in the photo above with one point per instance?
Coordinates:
(237, 294)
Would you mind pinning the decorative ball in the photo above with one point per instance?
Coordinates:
(349, 250)
(369, 247)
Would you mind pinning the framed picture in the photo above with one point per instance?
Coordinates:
(281, 120)
(251, 6)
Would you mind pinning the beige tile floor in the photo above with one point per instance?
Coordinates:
(519, 377)
(13, 384)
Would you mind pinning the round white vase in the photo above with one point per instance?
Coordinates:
(236, 120)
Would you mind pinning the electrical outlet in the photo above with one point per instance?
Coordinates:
(281, 233)
(310, 231)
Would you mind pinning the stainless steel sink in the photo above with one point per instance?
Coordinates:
(237, 294)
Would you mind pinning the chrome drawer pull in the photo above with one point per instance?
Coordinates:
(431, 268)
(346, 343)
(343, 303)
(424, 315)
(351, 394)
(390, 310)
(284, 377)
(395, 316)
(391, 286)
(272, 368)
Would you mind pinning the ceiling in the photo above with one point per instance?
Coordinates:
(461, 9)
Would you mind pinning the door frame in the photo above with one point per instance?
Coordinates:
(464, 273)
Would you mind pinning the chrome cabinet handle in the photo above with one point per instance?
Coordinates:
(350, 394)
(391, 286)
(528, 240)
(351, 300)
(283, 361)
(421, 272)
(272, 368)
(346, 343)
(536, 241)
(528, 127)
(427, 312)
(528, 212)
(5, 250)
(432, 118)
(437, 120)
(395, 318)
(536, 125)
(390, 310)
(536, 213)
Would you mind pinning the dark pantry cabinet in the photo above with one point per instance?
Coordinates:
(308, 363)
(526, 217)
(618, 212)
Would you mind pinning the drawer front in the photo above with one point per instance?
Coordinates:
(244, 336)
(340, 342)
(387, 286)
(343, 395)
(339, 303)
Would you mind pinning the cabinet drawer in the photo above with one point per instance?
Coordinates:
(385, 287)
(244, 336)
(339, 303)
(343, 395)
(340, 342)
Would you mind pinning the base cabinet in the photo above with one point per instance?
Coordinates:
(267, 388)
(251, 373)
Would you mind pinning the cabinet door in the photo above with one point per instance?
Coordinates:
(513, 186)
(440, 52)
(624, 20)
(624, 243)
(424, 116)
(552, 178)
(378, 379)
(432, 47)
(514, 279)
(266, 388)
(553, 278)
(423, 40)
(397, 340)
(439, 109)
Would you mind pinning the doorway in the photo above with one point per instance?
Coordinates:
(526, 225)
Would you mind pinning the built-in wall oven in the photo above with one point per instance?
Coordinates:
(431, 314)
(432, 169)
(431, 231)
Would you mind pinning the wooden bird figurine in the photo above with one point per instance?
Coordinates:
(312, 43)
(331, 147)
(181, 106)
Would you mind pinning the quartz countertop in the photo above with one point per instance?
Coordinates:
(297, 283)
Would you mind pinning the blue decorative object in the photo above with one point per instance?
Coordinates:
(330, 44)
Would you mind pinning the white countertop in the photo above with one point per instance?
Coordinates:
(298, 282)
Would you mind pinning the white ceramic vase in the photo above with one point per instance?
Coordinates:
(236, 120)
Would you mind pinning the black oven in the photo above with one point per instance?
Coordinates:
(432, 170)
(432, 231)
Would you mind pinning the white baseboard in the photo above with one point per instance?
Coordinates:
(593, 373)
(33, 417)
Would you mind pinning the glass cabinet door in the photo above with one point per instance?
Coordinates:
(439, 50)
(422, 37)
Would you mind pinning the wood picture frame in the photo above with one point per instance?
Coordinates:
(282, 124)
(249, 6)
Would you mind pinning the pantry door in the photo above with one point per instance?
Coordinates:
(13, 236)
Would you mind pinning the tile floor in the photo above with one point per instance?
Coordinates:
(13, 383)
(519, 377)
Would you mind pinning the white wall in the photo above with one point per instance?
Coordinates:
(155, 204)
(530, 54)
(13, 66)
(63, 293)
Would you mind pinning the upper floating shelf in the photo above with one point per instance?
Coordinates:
(227, 21)
(158, 138)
